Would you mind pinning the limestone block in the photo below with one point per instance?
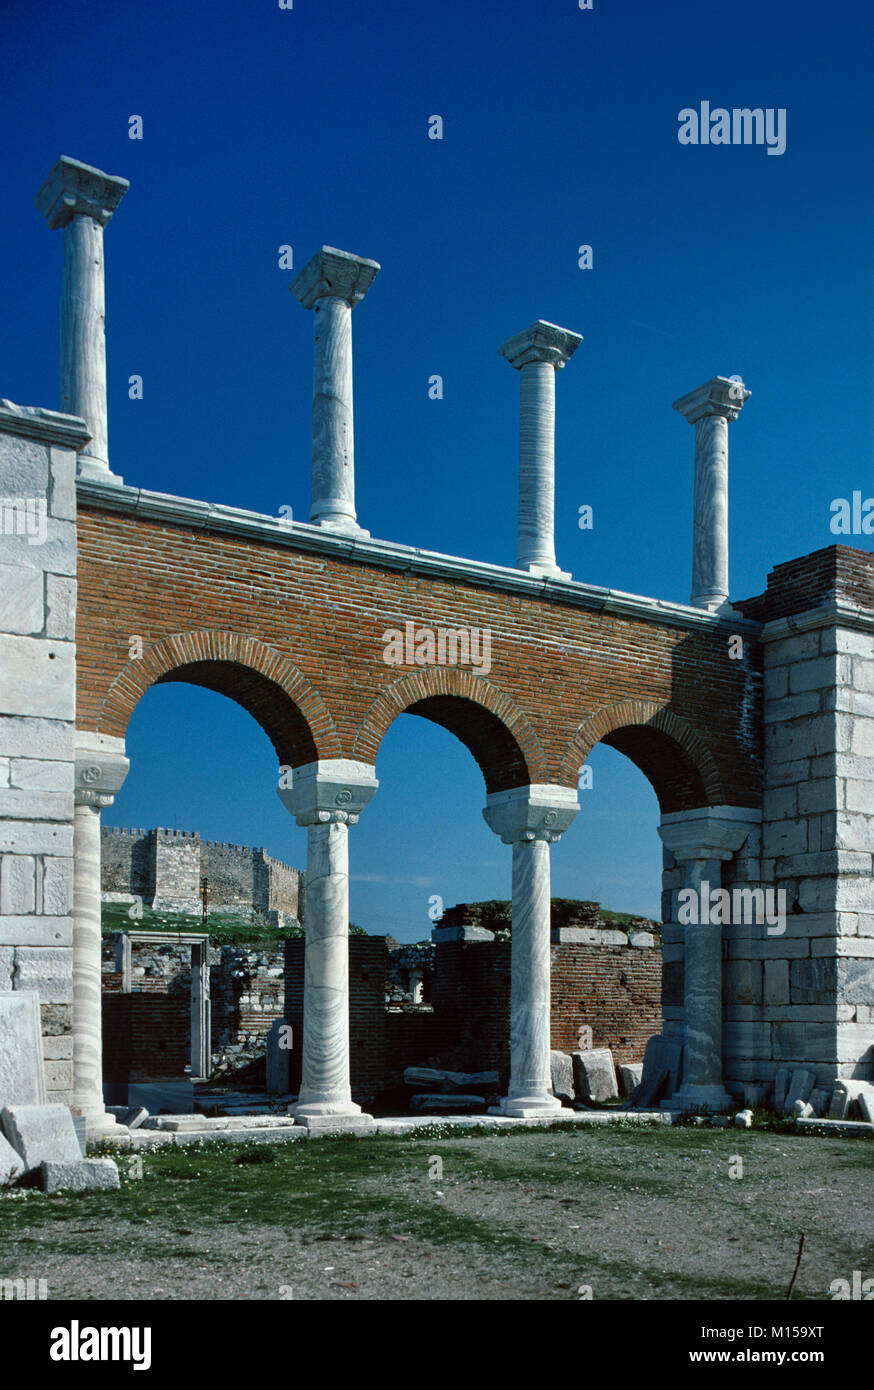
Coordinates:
(845, 1099)
(813, 981)
(662, 1069)
(36, 931)
(21, 599)
(630, 1077)
(819, 1100)
(811, 1041)
(814, 674)
(562, 1070)
(48, 971)
(83, 1175)
(23, 804)
(641, 939)
(776, 983)
(742, 982)
(744, 1119)
(856, 981)
(866, 1103)
(11, 1164)
(37, 674)
(7, 967)
(779, 774)
(448, 1105)
(594, 1074)
(41, 774)
(821, 795)
(802, 1110)
(784, 837)
(859, 796)
(57, 887)
(63, 469)
(791, 707)
(800, 1086)
(17, 884)
(800, 646)
(781, 1086)
(22, 1077)
(41, 1134)
(36, 738)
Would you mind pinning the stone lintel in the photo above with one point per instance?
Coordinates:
(333, 789)
(708, 832)
(334, 274)
(721, 395)
(75, 189)
(540, 811)
(101, 767)
(541, 342)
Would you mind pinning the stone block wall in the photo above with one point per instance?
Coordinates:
(37, 707)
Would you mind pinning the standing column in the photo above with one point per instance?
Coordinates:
(530, 819)
(327, 797)
(101, 768)
(331, 284)
(710, 408)
(82, 200)
(704, 839)
(537, 354)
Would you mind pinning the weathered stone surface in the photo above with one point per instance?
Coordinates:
(630, 1077)
(662, 1063)
(22, 1076)
(744, 1119)
(594, 1074)
(450, 1082)
(448, 1104)
(562, 1069)
(781, 1086)
(11, 1163)
(41, 1134)
(865, 1101)
(800, 1086)
(85, 1175)
(279, 1057)
(803, 1110)
(819, 1100)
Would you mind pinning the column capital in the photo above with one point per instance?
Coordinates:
(540, 811)
(721, 395)
(333, 790)
(541, 342)
(73, 189)
(333, 274)
(101, 767)
(708, 832)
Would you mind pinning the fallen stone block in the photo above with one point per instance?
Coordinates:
(781, 1086)
(844, 1099)
(819, 1100)
(447, 1105)
(86, 1175)
(630, 1077)
(800, 1087)
(594, 1074)
(450, 1082)
(10, 1162)
(662, 1068)
(866, 1103)
(744, 1119)
(22, 1075)
(803, 1110)
(562, 1069)
(41, 1134)
(135, 1117)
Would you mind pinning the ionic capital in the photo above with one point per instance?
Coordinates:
(73, 189)
(541, 342)
(333, 791)
(333, 274)
(722, 395)
(540, 811)
(101, 767)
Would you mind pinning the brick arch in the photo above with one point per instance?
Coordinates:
(488, 723)
(668, 751)
(288, 708)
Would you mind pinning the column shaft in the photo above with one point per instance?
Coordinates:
(702, 990)
(83, 332)
(87, 974)
(333, 500)
(710, 525)
(530, 1076)
(325, 1082)
(536, 539)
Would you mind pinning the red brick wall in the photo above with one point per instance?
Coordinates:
(303, 652)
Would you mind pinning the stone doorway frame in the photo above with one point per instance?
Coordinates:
(201, 1014)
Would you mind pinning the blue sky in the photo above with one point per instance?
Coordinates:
(265, 127)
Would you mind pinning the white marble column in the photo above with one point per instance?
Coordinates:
(530, 819)
(101, 768)
(703, 839)
(537, 354)
(710, 408)
(331, 284)
(82, 200)
(327, 797)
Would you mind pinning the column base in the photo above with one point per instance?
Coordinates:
(96, 471)
(342, 528)
(534, 1107)
(701, 1100)
(98, 1124)
(350, 1121)
(545, 571)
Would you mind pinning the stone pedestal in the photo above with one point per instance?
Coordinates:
(101, 768)
(537, 354)
(702, 840)
(327, 797)
(331, 284)
(82, 200)
(530, 819)
(710, 408)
